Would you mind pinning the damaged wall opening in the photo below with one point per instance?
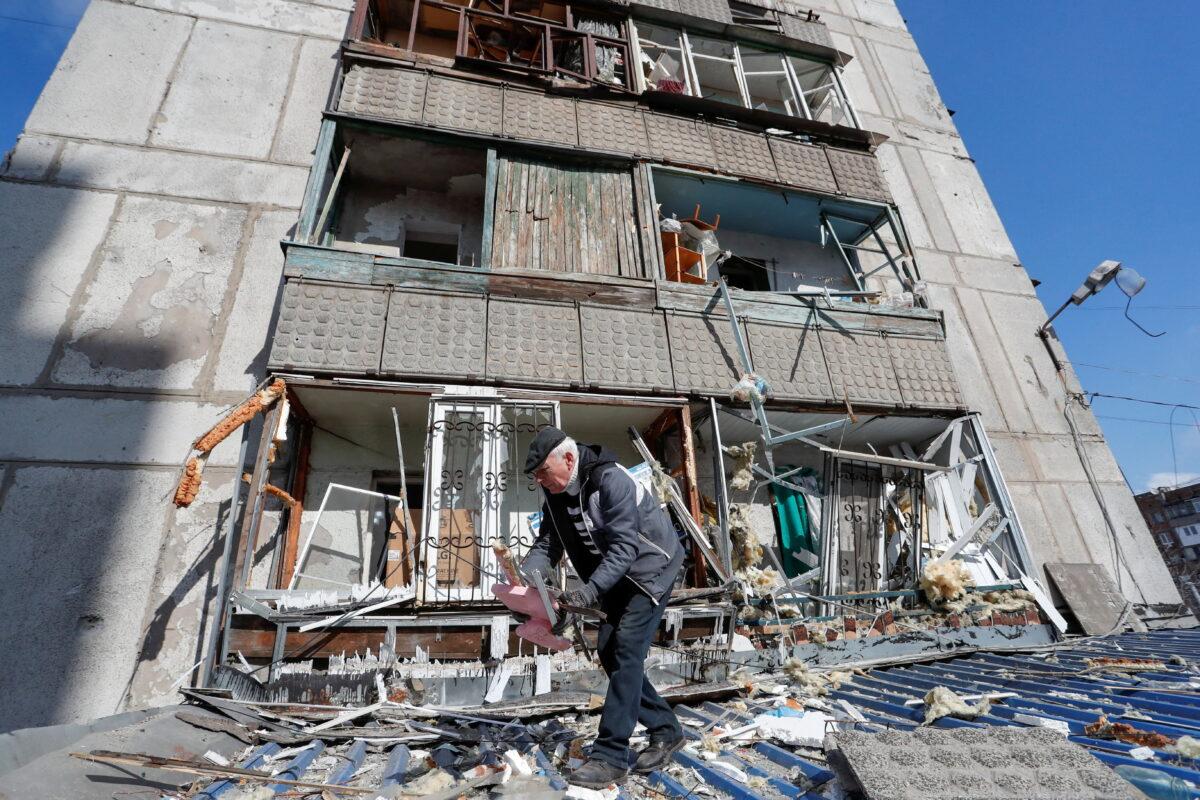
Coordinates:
(546, 38)
(404, 197)
(762, 239)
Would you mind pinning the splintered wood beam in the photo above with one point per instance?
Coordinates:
(691, 489)
(299, 487)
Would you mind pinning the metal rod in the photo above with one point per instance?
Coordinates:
(218, 617)
(333, 189)
(722, 491)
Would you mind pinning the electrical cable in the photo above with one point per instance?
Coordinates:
(1135, 372)
(1140, 400)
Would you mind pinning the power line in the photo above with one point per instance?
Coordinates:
(1135, 372)
(1140, 400)
(1147, 308)
(37, 22)
(1146, 421)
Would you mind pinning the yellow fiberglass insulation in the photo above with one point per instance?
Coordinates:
(945, 581)
(942, 702)
(1186, 746)
(743, 455)
(747, 552)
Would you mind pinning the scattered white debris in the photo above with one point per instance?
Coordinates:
(1186, 746)
(518, 763)
(729, 770)
(799, 728)
(582, 793)
(1043, 722)
(1141, 753)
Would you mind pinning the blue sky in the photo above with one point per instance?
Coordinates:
(1080, 117)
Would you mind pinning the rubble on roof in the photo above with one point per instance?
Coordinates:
(773, 737)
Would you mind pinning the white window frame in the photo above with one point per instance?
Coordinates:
(691, 79)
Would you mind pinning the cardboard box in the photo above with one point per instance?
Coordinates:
(457, 548)
(401, 546)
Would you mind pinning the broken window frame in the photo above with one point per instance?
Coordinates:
(547, 60)
(832, 83)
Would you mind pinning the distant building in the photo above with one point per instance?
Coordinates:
(1173, 514)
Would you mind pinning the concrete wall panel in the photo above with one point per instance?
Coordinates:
(435, 335)
(335, 329)
(31, 158)
(911, 86)
(291, 16)
(861, 367)
(197, 176)
(47, 239)
(625, 348)
(112, 77)
(679, 139)
(977, 227)
(149, 316)
(619, 129)
(534, 342)
(464, 106)
(791, 357)
(994, 358)
(540, 117)
(214, 105)
(81, 546)
(968, 365)
(310, 87)
(704, 353)
(397, 94)
(243, 356)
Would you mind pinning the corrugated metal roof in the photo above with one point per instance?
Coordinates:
(1067, 684)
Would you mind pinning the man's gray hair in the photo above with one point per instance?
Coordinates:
(567, 445)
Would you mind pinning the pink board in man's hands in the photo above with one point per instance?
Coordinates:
(526, 600)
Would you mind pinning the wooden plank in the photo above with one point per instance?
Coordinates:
(500, 219)
(489, 207)
(639, 260)
(524, 219)
(691, 487)
(298, 489)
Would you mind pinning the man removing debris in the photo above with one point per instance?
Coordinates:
(624, 548)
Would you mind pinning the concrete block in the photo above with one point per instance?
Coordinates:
(47, 238)
(940, 230)
(940, 140)
(113, 74)
(992, 762)
(297, 136)
(185, 583)
(109, 430)
(185, 175)
(972, 216)
(1069, 541)
(1016, 320)
(227, 93)
(1043, 543)
(148, 320)
(877, 12)
(911, 87)
(936, 267)
(994, 356)
(855, 76)
(243, 358)
(994, 275)
(972, 378)
(81, 546)
(275, 15)
(1014, 459)
(1103, 463)
(31, 158)
(911, 210)
(1055, 458)
(1139, 551)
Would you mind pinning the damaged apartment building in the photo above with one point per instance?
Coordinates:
(738, 243)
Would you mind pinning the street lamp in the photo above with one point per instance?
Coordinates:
(1128, 281)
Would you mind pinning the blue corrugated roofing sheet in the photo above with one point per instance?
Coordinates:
(1070, 684)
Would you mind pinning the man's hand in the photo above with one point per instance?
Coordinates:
(583, 597)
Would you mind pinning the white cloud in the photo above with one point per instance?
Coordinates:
(1167, 479)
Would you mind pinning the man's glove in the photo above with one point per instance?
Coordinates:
(583, 597)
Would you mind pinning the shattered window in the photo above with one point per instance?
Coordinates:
(662, 59)
(768, 83)
(716, 71)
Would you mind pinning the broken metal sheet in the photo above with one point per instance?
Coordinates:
(1091, 595)
(860, 367)
(464, 106)
(680, 140)
(435, 335)
(858, 175)
(625, 349)
(397, 94)
(539, 117)
(742, 153)
(790, 358)
(328, 328)
(924, 372)
(612, 128)
(534, 342)
(703, 353)
(803, 165)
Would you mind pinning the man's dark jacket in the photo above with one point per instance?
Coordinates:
(631, 529)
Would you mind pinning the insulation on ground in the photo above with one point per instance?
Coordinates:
(941, 701)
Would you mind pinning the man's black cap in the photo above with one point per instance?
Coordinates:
(546, 440)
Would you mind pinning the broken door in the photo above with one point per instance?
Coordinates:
(477, 494)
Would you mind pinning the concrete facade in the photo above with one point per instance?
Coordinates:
(168, 155)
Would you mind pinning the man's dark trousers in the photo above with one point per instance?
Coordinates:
(623, 643)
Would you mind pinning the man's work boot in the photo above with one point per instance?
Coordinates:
(657, 755)
(596, 774)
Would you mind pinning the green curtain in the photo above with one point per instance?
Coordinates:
(791, 513)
